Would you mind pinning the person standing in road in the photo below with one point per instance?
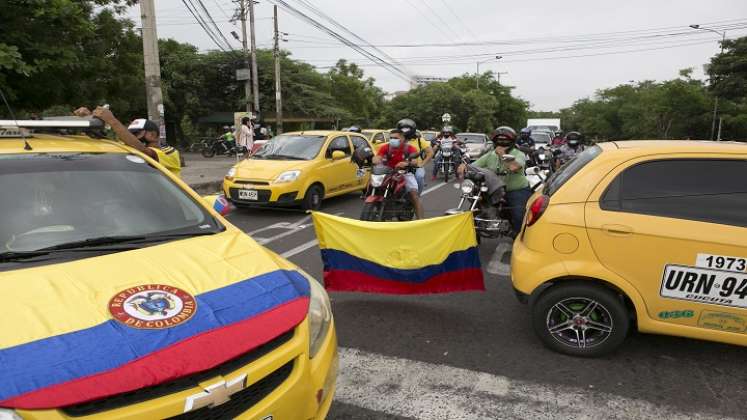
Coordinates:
(517, 184)
(245, 134)
(142, 135)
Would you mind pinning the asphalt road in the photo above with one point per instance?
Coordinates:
(473, 355)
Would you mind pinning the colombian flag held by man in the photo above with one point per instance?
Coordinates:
(436, 255)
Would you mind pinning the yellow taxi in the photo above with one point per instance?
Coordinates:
(298, 169)
(126, 295)
(377, 136)
(646, 234)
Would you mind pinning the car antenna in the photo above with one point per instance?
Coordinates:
(26, 145)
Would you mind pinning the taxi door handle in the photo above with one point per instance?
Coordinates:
(617, 230)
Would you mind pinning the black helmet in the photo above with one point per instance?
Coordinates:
(354, 129)
(574, 138)
(504, 136)
(526, 132)
(363, 156)
(408, 128)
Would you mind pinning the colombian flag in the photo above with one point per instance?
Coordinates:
(65, 337)
(436, 255)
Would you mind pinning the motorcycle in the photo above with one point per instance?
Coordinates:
(451, 154)
(386, 196)
(483, 193)
(221, 147)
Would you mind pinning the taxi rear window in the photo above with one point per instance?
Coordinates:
(570, 169)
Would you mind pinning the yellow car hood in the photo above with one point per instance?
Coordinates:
(101, 326)
(268, 170)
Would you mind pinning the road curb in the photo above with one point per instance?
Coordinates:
(207, 187)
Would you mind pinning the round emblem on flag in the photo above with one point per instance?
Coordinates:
(152, 306)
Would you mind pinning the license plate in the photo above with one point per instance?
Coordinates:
(702, 285)
(721, 262)
(248, 195)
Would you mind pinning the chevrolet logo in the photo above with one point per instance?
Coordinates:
(215, 394)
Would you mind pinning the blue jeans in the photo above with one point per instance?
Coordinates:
(517, 203)
(420, 177)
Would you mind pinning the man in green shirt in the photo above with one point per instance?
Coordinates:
(517, 185)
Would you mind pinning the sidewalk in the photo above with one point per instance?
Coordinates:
(205, 175)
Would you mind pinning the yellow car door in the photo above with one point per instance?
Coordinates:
(337, 174)
(675, 227)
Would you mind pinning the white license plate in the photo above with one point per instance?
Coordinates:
(248, 195)
(721, 262)
(703, 285)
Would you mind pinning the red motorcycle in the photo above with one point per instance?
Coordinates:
(386, 195)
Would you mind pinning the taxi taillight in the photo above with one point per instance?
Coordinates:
(537, 209)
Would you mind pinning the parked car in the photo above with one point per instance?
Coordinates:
(127, 295)
(477, 144)
(637, 234)
(298, 169)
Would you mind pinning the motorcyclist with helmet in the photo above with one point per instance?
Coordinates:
(525, 140)
(447, 134)
(517, 185)
(425, 151)
(398, 154)
(558, 140)
(573, 146)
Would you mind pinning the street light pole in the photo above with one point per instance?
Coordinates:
(477, 74)
(715, 98)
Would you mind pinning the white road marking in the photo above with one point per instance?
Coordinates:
(401, 387)
(299, 249)
(433, 188)
(290, 228)
(496, 264)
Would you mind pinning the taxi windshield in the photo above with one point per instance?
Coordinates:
(291, 147)
(74, 201)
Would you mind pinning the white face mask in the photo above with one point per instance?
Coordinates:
(394, 142)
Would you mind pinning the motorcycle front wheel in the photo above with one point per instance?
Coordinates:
(447, 169)
(371, 212)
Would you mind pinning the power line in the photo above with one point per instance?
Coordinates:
(445, 23)
(456, 15)
(427, 19)
(373, 57)
(203, 24)
(215, 26)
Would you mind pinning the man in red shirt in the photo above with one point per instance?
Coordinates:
(396, 154)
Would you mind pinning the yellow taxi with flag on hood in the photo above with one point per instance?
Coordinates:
(127, 295)
(298, 169)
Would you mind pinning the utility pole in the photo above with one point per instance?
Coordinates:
(247, 82)
(255, 81)
(153, 94)
(278, 90)
(715, 98)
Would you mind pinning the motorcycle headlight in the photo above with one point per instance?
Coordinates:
(468, 186)
(231, 172)
(542, 156)
(320, 315)
(6, 414)
(377, 180)
(447, 153)
(288, 176)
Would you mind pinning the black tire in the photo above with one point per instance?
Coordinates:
(371, 212)
(447, 169)
(313, 198)
(562, 307)
(208, 152)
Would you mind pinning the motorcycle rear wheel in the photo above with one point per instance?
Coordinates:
(208, 152)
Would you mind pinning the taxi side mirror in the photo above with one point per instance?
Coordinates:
(338, 154)
(219, 203)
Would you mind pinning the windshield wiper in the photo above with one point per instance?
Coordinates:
(290, 157)
(22, 255)
(94, 242)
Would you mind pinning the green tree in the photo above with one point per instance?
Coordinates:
(355, 93)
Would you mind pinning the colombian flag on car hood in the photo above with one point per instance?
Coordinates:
(96, 327)
(426, 256)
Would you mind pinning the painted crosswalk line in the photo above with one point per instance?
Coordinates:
(408, 388)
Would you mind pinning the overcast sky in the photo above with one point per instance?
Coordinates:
(656, 31)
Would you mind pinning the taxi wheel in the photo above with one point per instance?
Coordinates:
(581, 319)
(313, 198)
